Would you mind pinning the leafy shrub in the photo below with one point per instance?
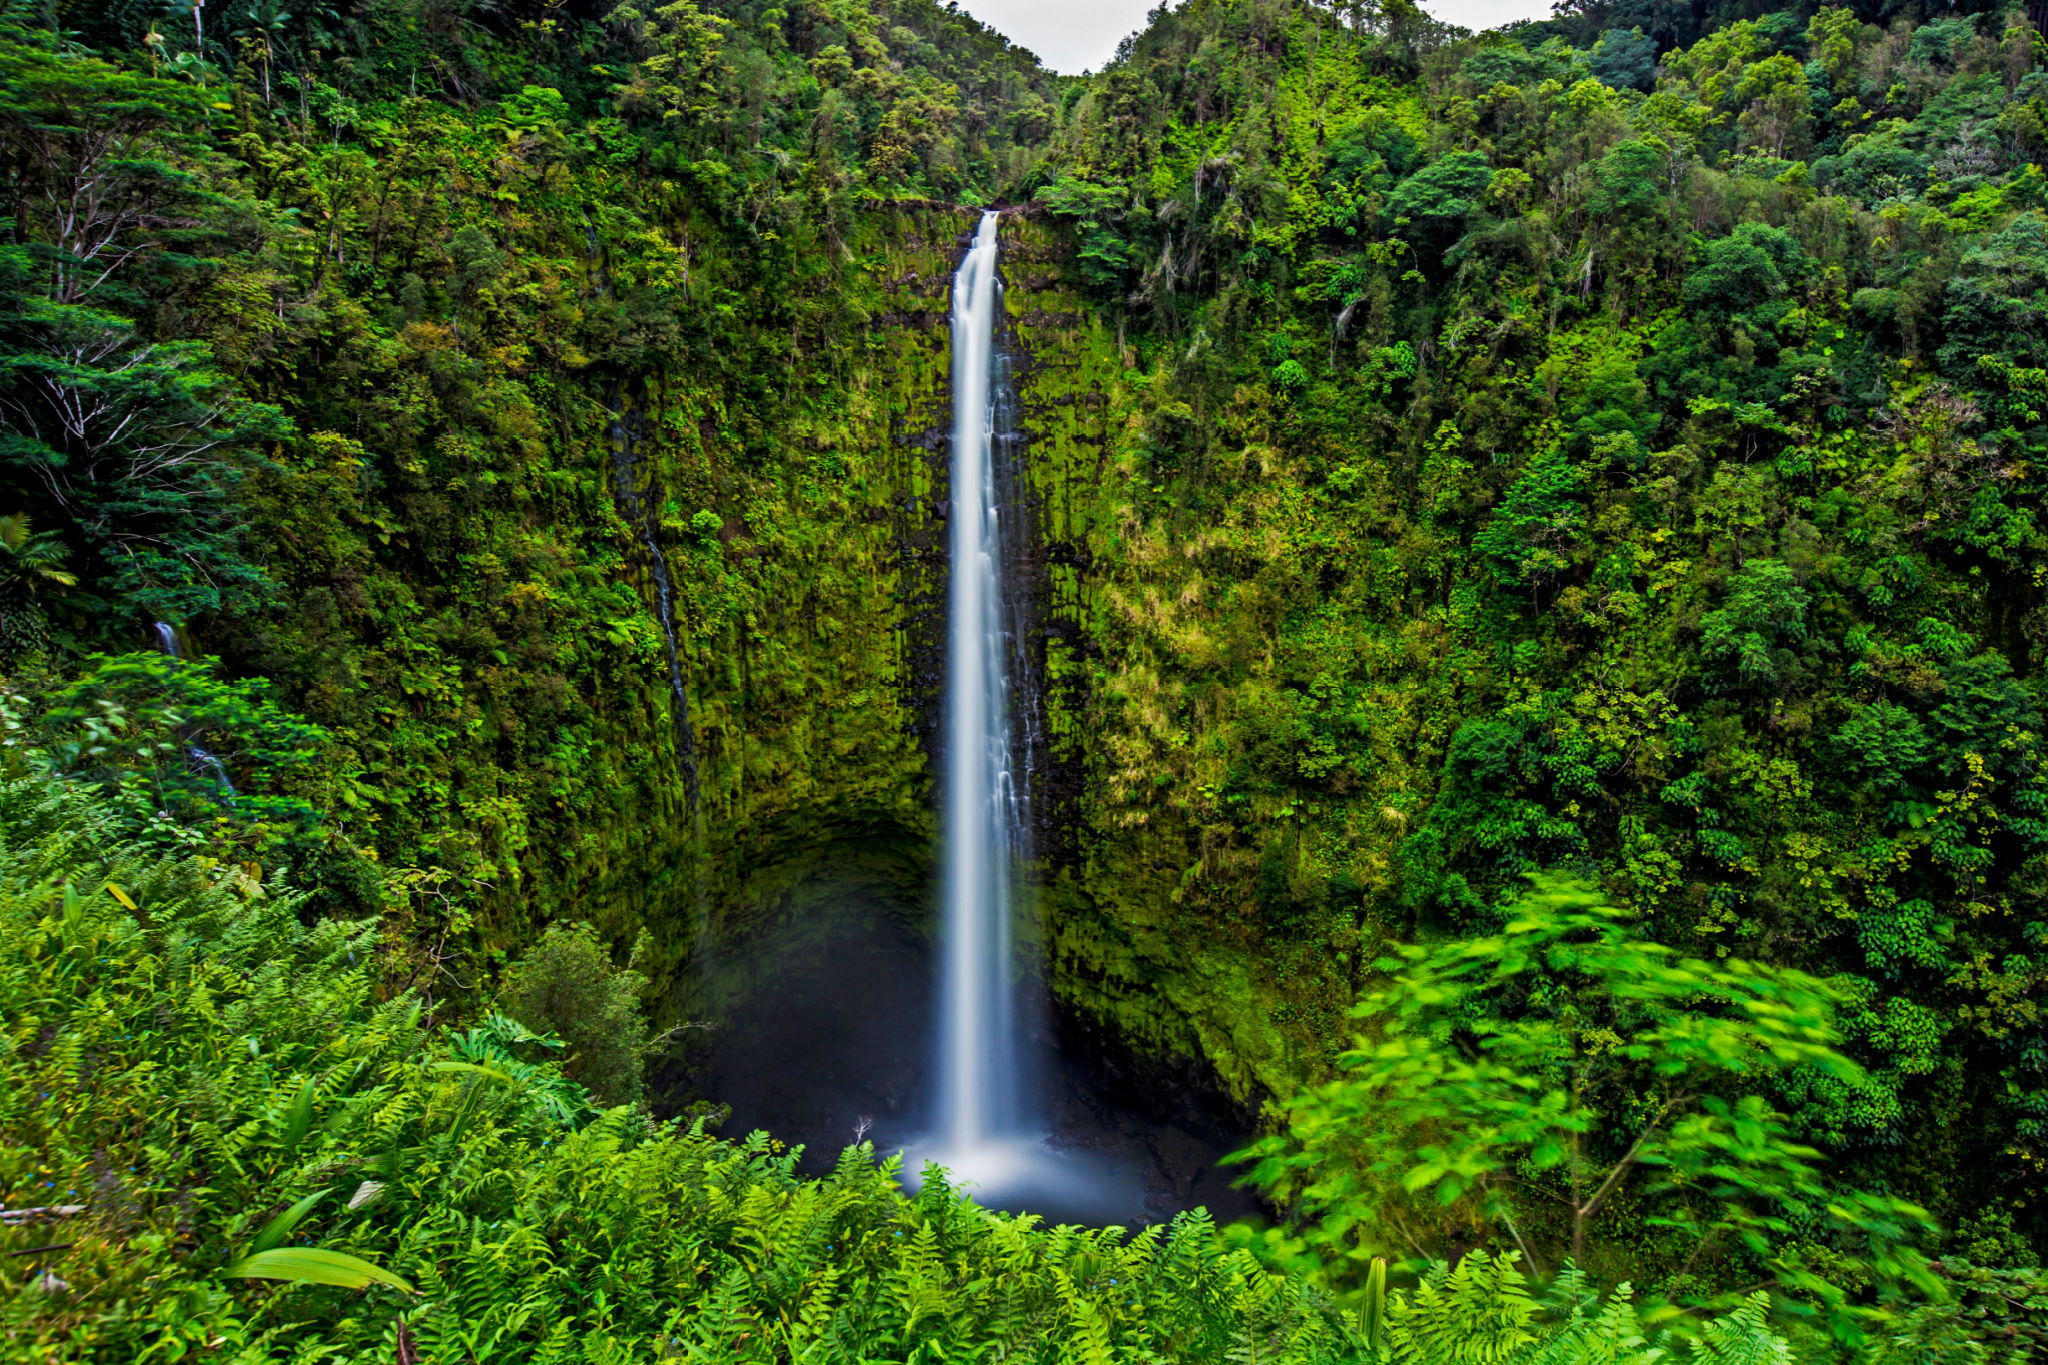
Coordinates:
(1739, 277)
(1530, 536)
(1880, 745)
(566, 984)
(1506, 64)
(1755, 634)
(1521, 1083)
(179, 749)
(1439, 198)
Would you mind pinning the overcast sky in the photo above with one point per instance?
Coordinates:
(1081, 35)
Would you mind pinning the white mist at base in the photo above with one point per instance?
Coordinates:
(1024, 1174)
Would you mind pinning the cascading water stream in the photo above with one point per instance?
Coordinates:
(167, 641)
(980, 824)
(990, 1135)
(824, 1052)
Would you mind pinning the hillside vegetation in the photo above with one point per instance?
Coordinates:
(1540, 455)
(473, 469)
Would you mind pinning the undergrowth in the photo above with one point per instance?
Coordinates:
(197, 1084)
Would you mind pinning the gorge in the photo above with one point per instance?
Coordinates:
(973, 1084)
(591, 596)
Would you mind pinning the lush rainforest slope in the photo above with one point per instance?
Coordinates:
(1539, 455)
(478, 466)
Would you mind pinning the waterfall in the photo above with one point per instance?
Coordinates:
(167, 641)
(988, 1132)
(980, 827)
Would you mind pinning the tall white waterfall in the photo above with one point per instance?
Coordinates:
(988, 1135)
(978, 1059)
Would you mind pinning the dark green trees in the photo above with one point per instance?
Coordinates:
(128, 447)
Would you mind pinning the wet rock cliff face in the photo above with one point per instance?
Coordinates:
(810, 633)
(815, 706)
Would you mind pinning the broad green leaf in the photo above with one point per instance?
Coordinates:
(277, 1229)
(311, 1265)
(299, 1120)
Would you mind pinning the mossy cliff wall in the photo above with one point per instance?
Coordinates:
(503, 477)
(1137, 973)
(810, 629)
(811, 632)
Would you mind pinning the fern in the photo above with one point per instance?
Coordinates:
(538, 1233)
(1743, 1337)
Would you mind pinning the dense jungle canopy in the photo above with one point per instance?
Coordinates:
(1541, 597)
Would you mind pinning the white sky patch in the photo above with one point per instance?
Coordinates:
(1072, 36)
(1480, 15)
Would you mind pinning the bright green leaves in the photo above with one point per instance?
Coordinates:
(1745, 277)
(1905, 935)
(1437, 199)
(1104, 256)
(1754, 637)
(178, 747)
(280, 1228)
(535, 109)
(310, 1265)
(1531, 535)
(130, 447)
(1531, 1078)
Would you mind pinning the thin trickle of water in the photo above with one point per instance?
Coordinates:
(981, 824)
(633, 507)
(207, 763)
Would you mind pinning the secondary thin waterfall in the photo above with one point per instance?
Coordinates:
(980, 825)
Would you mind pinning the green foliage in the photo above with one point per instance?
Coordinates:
(503, 358)
(155, 1074)
(1624, 59)
(29, 563)
(1756, 635)
(1743, 277)
(1537, 1077)
(1726, 387)
(188, 756)
(1531, 535)
(566, 984)
(1101, 254)
(132, 445)
(1440, 197)
(310, 1265)
(484, 1222)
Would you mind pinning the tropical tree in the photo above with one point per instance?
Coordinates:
(133, 442)
(1525, 1083)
